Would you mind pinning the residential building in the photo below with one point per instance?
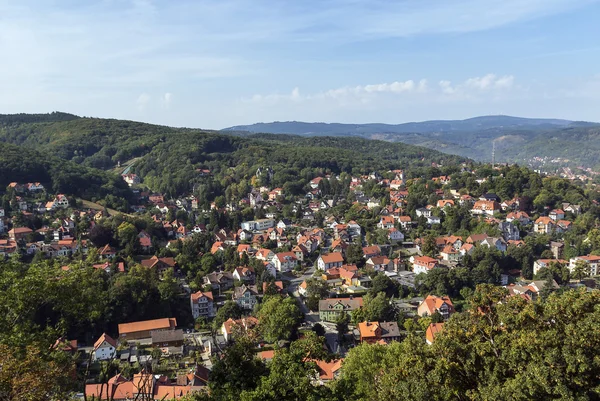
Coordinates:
(432, 304)
(104, 348)
(246, 296)
(432, 331)
(591, 260)
(285, 261)
(332, 309)
(202, 304)
(230, 326)
(258, 225)
(330, 260)
(378, 332)
(485, 207)
(544, 225)
(423, 264)
(380, 263)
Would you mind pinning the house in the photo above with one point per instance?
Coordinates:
(330, 260)
(494, 242)
(395, 235)
(433, 220)
(432, 331)
(379, 263)
(592, 262)
(450, 254)
(245, 274)
(161, 265)
(575, 209)
(442, 203)
(144, 329)
(485, 207)
(104, 348)
(219, 281)
(107, 252)
(202, 304)
(432, 304)
(386, 222)
(265, 254)
(35, 187)
(371, 251)
(230, 326)
(278, 285)
(300, 251)
(378, 332)
(64, 345)
(131, 179)
(258, 225)
(405, 221)
(563, 225)
(423, 212)
(246, 296)
(19, 233)
(509, 231)
(557, 249)
(331, 309)
(542, 263)
(556, 214)
(544, 225)
(285, 261)
(522, 217)
(423, 264)
(328, 371)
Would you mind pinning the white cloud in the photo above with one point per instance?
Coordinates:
(471, 87)
(142, 101)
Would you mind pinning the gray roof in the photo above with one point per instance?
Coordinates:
(162, 336)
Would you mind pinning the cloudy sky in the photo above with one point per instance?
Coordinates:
(218, 63)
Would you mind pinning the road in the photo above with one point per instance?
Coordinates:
(311, 318)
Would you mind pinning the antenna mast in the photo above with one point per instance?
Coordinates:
(493, 153)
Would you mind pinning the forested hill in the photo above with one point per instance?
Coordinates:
(516, 139)
(24, 165)
(468, 125)
(167, 158)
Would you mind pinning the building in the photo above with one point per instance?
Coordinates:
(485, 207)
(542, 263)
(591, 260)
(230, 326)
(330, 260)
(202, 304)
(19, 233)
(161, 265)
(144, 329)
(544, 225)
(380, 263)
(432, 331)
(332, 309)
(258, 225)
(167, 338)
(104, 348)
(285, 261)
(423, 264)
(377, 332)
(246, 296)
(432, 304)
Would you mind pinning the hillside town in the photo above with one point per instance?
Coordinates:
(396, 256)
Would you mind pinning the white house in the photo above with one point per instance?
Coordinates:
(423, 264)
(285, 261)
(202, 304)
(330, 260)
(395, 235)
(258, 225)
(104, 348)
(591, 260)
(433, 220)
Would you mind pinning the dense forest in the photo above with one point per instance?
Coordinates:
(20, 164)
(167, 158)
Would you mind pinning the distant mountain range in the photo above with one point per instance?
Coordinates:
(516, 139)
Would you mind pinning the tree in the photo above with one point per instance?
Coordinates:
(278, 318)
(291, 374)
(375, 308)
(237, 370)
(230, 310)
(581, 270)
(341, 325)
(429, 246)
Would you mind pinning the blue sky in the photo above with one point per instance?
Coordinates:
(214, 64)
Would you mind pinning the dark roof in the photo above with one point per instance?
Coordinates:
(167, 336)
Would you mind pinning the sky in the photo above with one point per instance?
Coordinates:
(216, 64)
